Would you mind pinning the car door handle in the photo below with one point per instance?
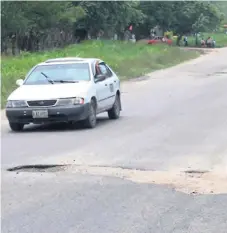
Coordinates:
(115, 81)
(106, 85)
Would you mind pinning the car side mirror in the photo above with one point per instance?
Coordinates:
(19, 82)
(100, 78)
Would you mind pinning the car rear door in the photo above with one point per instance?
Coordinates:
(116, 83)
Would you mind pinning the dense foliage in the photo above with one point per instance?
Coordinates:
(38, 25)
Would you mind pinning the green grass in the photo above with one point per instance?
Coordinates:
(127, 60)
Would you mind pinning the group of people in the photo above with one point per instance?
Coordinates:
(209, 42)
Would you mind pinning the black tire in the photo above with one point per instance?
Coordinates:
(17, 127)
(91, 120)
(114, 112)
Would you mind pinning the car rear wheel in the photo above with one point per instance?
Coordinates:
(114, 112)
(91, 120)
(17, 127)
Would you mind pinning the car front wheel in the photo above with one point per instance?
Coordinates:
(91, 120)
(114, 112)
(17, 127)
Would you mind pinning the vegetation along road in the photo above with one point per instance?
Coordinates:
(160, 168)
(127, 59)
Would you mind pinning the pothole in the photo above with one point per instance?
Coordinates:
(38, 168)
(196, 171)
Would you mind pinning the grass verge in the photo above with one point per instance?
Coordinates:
(127, 60)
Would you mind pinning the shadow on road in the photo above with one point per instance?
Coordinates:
(61, 127)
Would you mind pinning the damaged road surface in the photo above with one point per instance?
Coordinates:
(161, 168)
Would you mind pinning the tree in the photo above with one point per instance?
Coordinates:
(182, 17)
(109, 16)
(34, 26)
(13, 23)
(222, 6)
(158, 13)
(29, 24)
(193, 17)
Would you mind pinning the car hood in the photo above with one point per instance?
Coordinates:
(50, 91)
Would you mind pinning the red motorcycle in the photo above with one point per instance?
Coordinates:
(159, 40)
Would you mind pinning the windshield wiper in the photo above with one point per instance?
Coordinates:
(48, 79)
(65, 81)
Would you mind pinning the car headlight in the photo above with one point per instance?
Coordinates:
(16, 104)
(70, 101)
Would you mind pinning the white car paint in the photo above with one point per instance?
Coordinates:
(39, 92)
(102, 91)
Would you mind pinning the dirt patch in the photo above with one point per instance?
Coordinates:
(190, 182)
(142, 78)
(200, 50)
(142, 41)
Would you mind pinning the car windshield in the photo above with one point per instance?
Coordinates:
(59, 73)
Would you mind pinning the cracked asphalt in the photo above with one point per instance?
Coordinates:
(174, 120)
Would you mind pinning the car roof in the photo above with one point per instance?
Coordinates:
(63, 60)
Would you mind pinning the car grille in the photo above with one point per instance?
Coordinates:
(41, 103)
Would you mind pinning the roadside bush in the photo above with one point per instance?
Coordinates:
(168, 34)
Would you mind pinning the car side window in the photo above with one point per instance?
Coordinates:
(110, 74)
(105, 70)
(99, 68)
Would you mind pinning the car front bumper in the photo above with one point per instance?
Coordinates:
(55, 114)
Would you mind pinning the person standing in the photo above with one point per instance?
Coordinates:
(185, 41)
(203, 43)
(209, 42)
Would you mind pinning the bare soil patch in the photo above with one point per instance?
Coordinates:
(190, 182)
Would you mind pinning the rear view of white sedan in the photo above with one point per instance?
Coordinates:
(65, 90)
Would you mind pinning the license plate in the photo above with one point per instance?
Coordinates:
(40, 114)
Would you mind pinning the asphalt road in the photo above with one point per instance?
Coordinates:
(173, 121)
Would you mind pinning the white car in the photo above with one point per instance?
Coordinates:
(65, 90)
